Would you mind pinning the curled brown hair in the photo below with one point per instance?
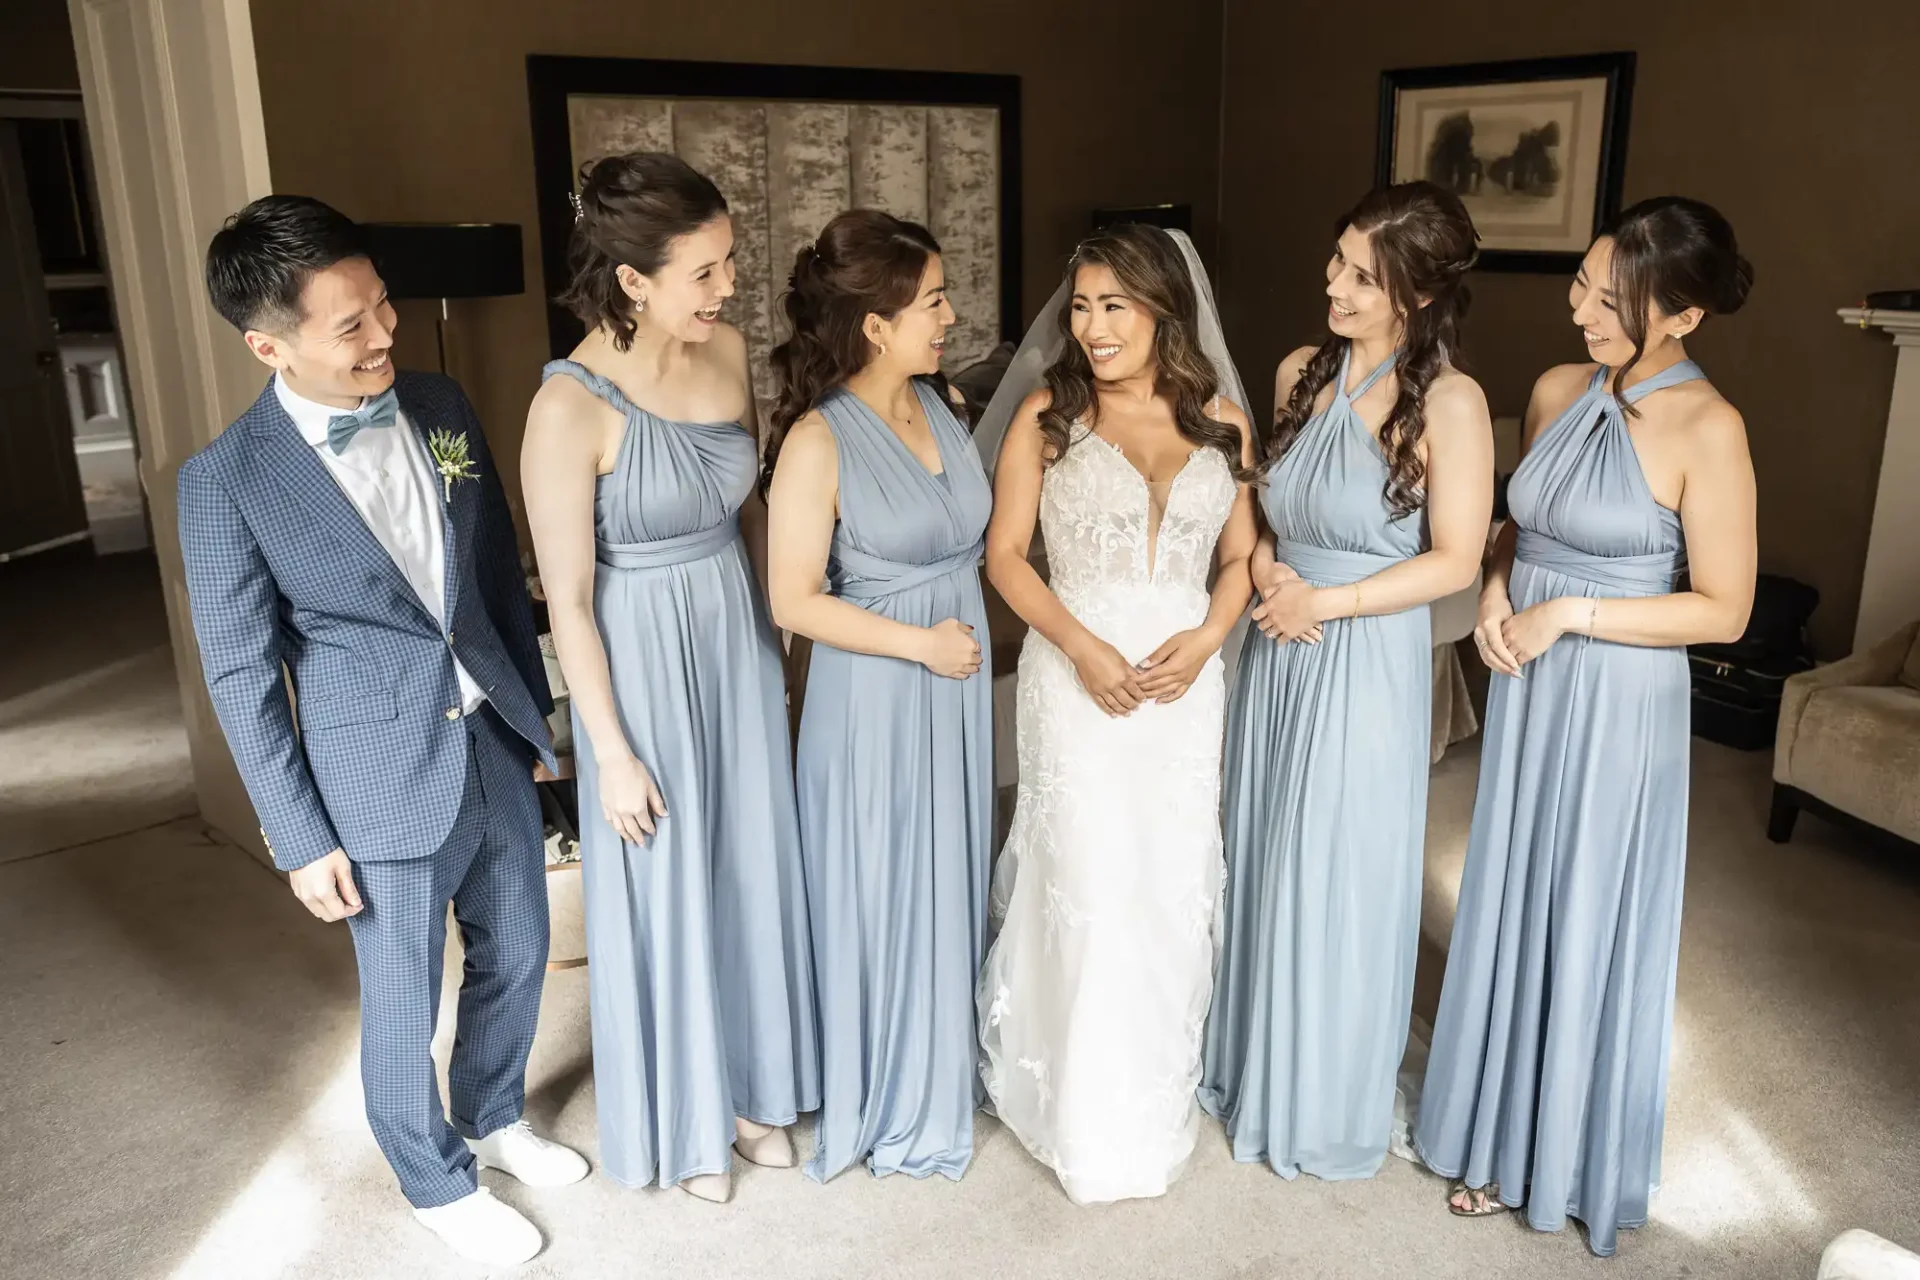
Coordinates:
(1423, 245)
(865, 263)
(631, 209)
(1153, 272)
(1673, 253)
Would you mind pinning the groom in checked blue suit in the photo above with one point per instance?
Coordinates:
(350, 533)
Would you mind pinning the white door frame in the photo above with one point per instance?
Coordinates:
(172, 101)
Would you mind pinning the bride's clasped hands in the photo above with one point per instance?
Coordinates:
(1116, 685)
(1119, 687)
(1170, 670)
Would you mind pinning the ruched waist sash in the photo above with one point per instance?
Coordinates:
(1647, 575)
(684, 549)
(856, 575)
(1326, 567)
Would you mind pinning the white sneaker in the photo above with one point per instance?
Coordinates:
(482, 1229)
(519, 1151)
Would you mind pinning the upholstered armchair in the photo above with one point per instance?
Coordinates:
(1849, 740)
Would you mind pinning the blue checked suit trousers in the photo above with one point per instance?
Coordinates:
(492, 870)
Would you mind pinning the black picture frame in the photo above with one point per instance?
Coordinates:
(552, 79)
(1616, 69)
(1173, 217)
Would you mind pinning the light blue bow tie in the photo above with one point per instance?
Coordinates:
(381, 411)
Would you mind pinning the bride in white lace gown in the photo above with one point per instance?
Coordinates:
(1094, 994)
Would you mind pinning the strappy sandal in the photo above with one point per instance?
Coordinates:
(1482, 1202)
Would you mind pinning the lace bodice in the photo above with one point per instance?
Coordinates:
(1105, 526)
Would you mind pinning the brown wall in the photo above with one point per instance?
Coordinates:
(36, 46)
(1800, 122)
(415, 110)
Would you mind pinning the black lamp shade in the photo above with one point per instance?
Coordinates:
(447, 259)
(1174, 217)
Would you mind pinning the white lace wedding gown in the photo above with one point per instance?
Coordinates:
(1094, 994)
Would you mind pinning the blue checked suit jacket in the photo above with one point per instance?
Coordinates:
(282, 571)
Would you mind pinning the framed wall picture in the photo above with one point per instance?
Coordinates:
(1536, 149)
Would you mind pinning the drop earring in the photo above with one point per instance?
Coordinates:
(883, 348)
(639, 305)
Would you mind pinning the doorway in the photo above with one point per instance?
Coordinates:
(92, 739)
(58, 353)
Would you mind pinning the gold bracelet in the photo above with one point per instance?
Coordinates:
(1593, 616)
(1356, 599)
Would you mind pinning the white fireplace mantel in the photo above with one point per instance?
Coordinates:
(1890, 587)
(1903, 325)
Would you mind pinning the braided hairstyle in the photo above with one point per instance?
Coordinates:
(1423, 245)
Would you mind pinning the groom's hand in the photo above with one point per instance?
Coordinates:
(326, 886)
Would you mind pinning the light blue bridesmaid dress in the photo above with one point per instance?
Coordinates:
(699, 967)
(1548, 1073)
(1324, 813)
(895, 779)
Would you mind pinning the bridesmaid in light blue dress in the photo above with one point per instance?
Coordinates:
(1378, 503)
(878, 505)
(699, 969)
(1546, 1083)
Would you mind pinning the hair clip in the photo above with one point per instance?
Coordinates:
(579, 210)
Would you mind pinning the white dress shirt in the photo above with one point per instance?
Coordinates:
(386, 473)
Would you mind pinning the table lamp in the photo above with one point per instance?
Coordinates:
(447, 260)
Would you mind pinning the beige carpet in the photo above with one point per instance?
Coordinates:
(90, 727)
(182, 1100)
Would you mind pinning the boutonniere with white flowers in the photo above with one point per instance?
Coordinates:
(450, 459)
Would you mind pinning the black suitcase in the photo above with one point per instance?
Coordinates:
(1777, 625)
(1737, 687)
(1736, 698)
